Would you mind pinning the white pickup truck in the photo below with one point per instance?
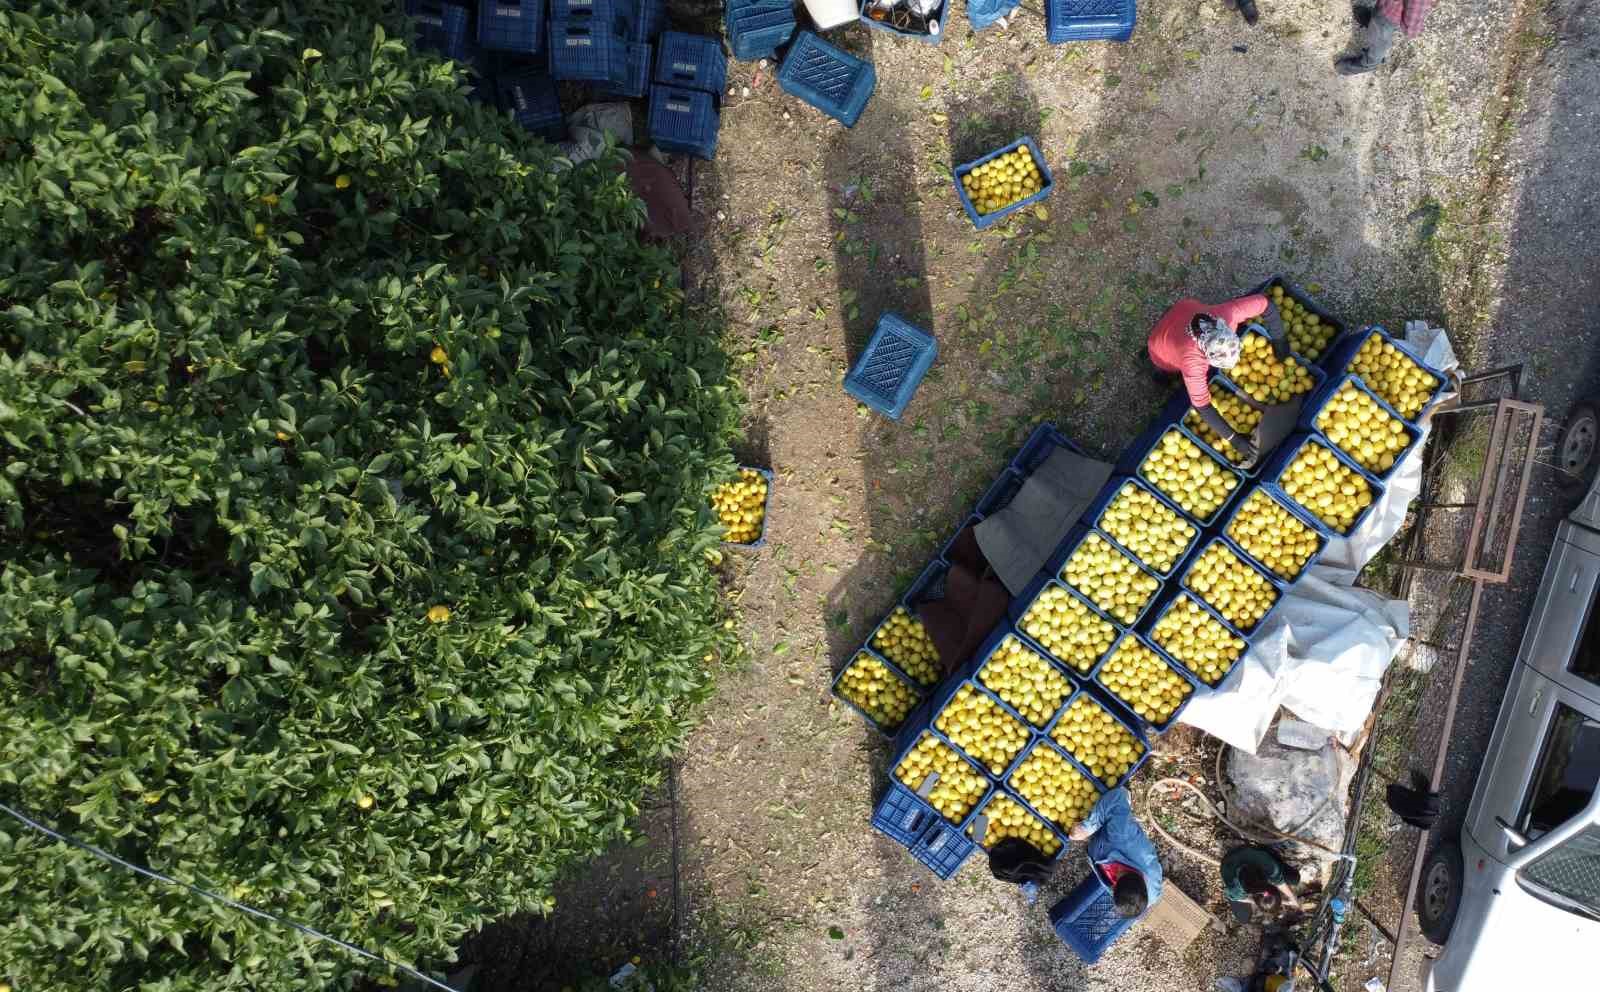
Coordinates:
(1516, 903)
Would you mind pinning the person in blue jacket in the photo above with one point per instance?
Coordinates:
(1120, 853)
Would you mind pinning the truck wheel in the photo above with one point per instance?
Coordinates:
(1439, 894)
(1579, 444)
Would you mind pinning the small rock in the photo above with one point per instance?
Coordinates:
(721, 215)
(762, 64)
(730, 91)
(785, 115)
(745, 91)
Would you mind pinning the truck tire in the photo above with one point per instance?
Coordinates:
(1439, 891)
(1579, 447)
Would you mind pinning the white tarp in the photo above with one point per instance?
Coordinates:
(1323, 652)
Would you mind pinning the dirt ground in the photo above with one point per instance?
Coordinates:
(1198, 159)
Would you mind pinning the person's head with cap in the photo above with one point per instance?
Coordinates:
(1130, 896)
(1217, 341)
(1261, 894)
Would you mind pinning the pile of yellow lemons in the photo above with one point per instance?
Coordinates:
(1061, 624)
(1263, 377)
(880, 693)
(959, 788)
(1272, 535)
(1089, 733)
(1112, 581)
(1308, 334)
(1361, 428)
(1187, 475)
(1191, 635)
(1009, 819)
(977, 725)
(1024, 679)
(905, 641)
(1230, 586)
(1392, 374)
(741, 505)
(1238, 414)
(1137, 676)
(1002, 181)
(1140, 522)
(1331, 490)
(1053, 787)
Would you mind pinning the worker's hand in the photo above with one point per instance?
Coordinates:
(1246, 447)
(1080, 832)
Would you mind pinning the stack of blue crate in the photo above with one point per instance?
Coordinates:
(587, 42)
(512, 26)
(756, 28)
(690, 71)
(639, 24)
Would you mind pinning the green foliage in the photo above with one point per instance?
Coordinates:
(296, 345)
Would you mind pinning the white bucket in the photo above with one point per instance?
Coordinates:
(832, 13)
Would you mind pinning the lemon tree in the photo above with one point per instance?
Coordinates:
(877, 691)
(904, 640)
(1331, 490)
(959, 788)
(1238, 414)
(1273, 536)
(1002, 181)
(1186, 474)
(353, 475)
(1072, 632)
(741, 505)
(1308, 334)
(1393, 375)
(1359, 426)
(1263, 376)
(1091, 734)
(1008, 818)
(1111, 580)
(1195, 638)
(1140, 522)
(1230, 586)
(1022, 677)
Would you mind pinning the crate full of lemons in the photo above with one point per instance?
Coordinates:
(1266, 378)
(1002, 182)
(1048, 780)
(1321, 483)
(1364, 428)
(1004, 818)
(1099, 740)
(903, 639)
(1273, 535)
(1235, 411)
(1394, 375)
(741, 507)
(1145, 525)
(877, 690)
(1188, 475)
(1072, 631)
(1310, 333)
(981, 727)
(1238, 591)
(960, 786)
(1144, 682)
(1198, 641)
(1109, 579)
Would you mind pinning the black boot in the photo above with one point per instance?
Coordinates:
(1248, 9)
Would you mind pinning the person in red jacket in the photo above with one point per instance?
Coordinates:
(1379, 28)
(1191, 339)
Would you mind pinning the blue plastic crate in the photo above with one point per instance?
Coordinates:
(1116, 703)
(916, 726)
(586, 51)
(1329, 389)
(602, 11)
(1294, 510)
(683, 121)
(1177, 408)
(530, 97)
(945, 550)
(441, 27)
(1042, 442)
(1058, 561)
(929, 585)
(1108, 495)
(922, 687)
(936, 703)
(1342, 352)
(986, 652)
(1019, 609)
(981, 221)
(1040, 742)
(638, 80)
(1169, 598)
(943, 848)
(1279, 586)
(1304, 299)
(927, 37)
(901, 816)
(757, 33)
(691, 61)
(645, 20)
(1122, 719)
(1089, 20)
(1318, 377)
(892, 366)
(834, 81)
(1133, 456)
(894, 670)
(511, 26)
(1001, 791)
(1087, 920)
(1272, 472)
(1000, 493)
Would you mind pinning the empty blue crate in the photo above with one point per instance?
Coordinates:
(638, 79)
(889, 371)
(441, 27)
(943, 848)
(683, 121)
(897, 20)
(646, 20)
(530, 97)
(834, 81)
(903, 817)
(511, 26)
(1047, 184)
(1088, 20)
(756, 28)
(587, 50)
(1087, 919)
(691, 61)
